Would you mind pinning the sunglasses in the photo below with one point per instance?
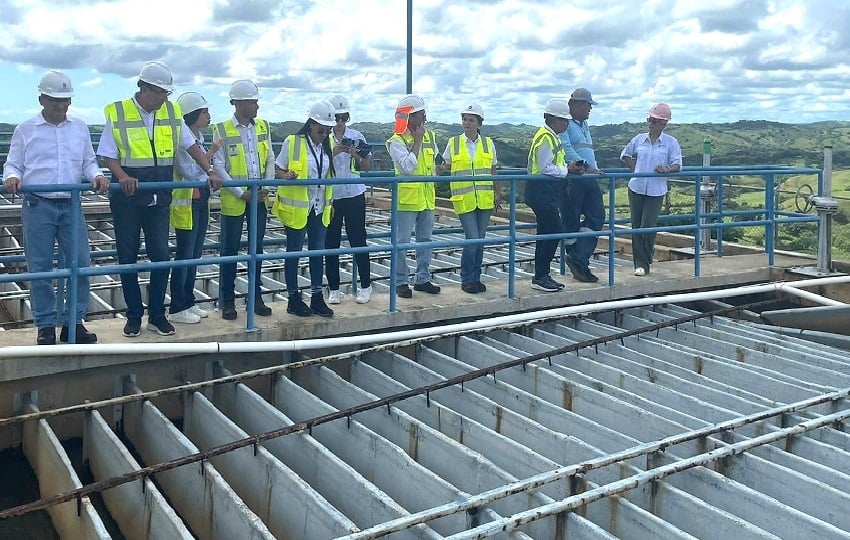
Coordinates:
(657, 121)
(322, 130)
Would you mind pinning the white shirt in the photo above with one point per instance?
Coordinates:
(43, 154)
(342, 167)
(248, 136)
(317, 159)
(471, 145)
(402, 156)
(647, 156)
(186, 166)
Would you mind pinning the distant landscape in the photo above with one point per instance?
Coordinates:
(733, 144)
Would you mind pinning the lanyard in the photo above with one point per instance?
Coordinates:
(320, 159)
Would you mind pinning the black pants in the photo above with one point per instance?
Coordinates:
(351, 212)
(548, 222)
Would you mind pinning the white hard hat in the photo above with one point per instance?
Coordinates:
(55, 84)
(322, 112)
(191, 101)
(340, 104)
(473, 108)
(557, 107)
(244, 89)
(157, 74)
(414, 101)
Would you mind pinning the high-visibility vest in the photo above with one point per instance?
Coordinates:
(417, 196)
(132, 139)
(545, 136)
(292, 205)
(235, 162)
(471, 194)
(180, 212)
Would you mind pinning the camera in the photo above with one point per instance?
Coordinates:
(582, 163)
(349, 143)
(363, 148)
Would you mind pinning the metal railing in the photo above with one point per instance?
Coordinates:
(767, 217)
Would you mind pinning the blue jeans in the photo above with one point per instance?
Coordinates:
(582, 198)
(129, 222)
(423, 222)
(231, 238)
(190, 245)
(46, 222)
(474, 226)
(315, 232)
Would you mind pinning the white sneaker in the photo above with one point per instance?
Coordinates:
(640, 271)
(184, 317)
(364, 295)
(335, 297)
(202, 313)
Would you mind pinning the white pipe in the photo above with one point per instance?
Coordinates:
(21, 351)
(818, 299)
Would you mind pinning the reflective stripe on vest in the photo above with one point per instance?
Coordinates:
(292, 205)
(235, 161)
(544, 136)
(133, 140)
(471, 195)
(417, 196)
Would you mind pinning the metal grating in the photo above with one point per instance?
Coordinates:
(562, 446)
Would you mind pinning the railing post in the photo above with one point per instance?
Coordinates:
(71, 300)
(826, 207)
(707, 194)
(252, 212)
(394, 241)
(512, 236)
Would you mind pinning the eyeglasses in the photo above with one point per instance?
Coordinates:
(160, 91)
(322, 130)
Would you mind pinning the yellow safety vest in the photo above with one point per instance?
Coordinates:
(543, 136)
(235, 162)
(292, 205)
(417, 196)
(180, 212)
(132, 139)
(469, 195)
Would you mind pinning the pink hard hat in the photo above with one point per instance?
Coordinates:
(661, 111)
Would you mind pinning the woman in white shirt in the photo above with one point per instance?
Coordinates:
(351, 153)
(305, 210)
(651, 152)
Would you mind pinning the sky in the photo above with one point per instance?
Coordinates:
(714, 61)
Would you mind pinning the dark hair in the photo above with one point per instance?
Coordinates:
(326, 142)
(192, 117)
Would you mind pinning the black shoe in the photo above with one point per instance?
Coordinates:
(261, 309)
(46, 336)
(318, 306)
(83, 337)
(161, 326)
(133, 327)
(426, 287)
(580, 272)
(471, 287)
(296, 306)
(481, 286)
(403, 291)
(228, 311)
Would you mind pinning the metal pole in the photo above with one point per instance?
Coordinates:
(826, 207)
(707, 193)
(409, 46)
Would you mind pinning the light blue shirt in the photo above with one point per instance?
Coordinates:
(577, 143)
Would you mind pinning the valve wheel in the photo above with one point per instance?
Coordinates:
(803, 199)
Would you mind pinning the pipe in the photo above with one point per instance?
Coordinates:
(816, 298)
(31, 351)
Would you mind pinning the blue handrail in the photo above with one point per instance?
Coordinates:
(770, 220)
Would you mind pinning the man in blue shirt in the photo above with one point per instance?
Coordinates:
(582, 197)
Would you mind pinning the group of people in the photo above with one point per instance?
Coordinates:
(148, 138)
(568, 203)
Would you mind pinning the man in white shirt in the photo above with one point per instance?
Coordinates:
(53, 149)
(140, 139)
(245, 154)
